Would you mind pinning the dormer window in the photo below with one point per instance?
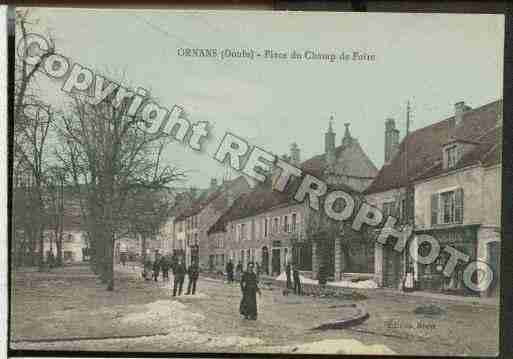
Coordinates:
(451, 155)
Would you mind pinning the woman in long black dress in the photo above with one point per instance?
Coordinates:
(249, 288)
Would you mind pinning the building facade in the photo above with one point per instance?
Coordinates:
(271, 228)
(454, 170)
(192, 224)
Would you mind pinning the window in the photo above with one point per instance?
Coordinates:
(266, 228)
(276, 225)
(195, 238)
(447, 207)
(403, 209)
(286, 224)
(293, 224)
(452, 156)
(243, 231)
(389, 209)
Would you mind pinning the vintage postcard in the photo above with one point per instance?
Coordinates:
(256, 182)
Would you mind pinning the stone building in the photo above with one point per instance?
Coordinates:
(192, 224)
(454, 169)
(271, 228)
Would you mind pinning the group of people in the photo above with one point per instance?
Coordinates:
(248, 279)
(161, 263)
(166, 263)
(235, 273)
(179, 271)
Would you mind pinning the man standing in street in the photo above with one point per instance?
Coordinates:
(164, 265)
(229, 271)
(238, 271)
(297, 281)
(193, 273)
(179, 274)
(156, 267)
(288, 274)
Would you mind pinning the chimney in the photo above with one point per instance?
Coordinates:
(391, 140)
(459, 109)
(295, 154)
(347, 139)
(329, 143)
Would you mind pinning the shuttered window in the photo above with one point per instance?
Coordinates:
(434, 209)
(257, 229)
(458, 208)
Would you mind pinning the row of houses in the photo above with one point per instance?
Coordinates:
(444, 179)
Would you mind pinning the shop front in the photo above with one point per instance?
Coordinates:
(430, 277)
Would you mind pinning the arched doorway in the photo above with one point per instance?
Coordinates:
(265, 259)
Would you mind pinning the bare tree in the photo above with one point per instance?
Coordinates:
(326, 233)
(32, 121)
(147, 210)
(56, 180)
(109, 155)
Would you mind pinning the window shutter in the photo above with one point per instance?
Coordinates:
(458, 211)
(434, 209)
(257, 229)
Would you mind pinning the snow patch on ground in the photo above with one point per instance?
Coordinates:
(332, 346)
(182, 327)
(283, 277)
(196, 296)
(163, 310)
(363, 284)
(52, 283)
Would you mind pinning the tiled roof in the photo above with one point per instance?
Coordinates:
(207, 198)
(424, 148)
(263, 198)
(351, 160)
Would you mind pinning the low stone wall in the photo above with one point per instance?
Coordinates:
(328, 290)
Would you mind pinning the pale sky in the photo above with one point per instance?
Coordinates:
(433, 60)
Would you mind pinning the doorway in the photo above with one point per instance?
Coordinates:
(265, 260)
(276, 265)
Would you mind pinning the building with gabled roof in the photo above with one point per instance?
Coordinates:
(192, 224)
(452, 170)
(270, 227)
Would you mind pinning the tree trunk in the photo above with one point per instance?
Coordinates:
(58, 243)
(102, 258)
(41, 259)
(143, 249)
(110, 263)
